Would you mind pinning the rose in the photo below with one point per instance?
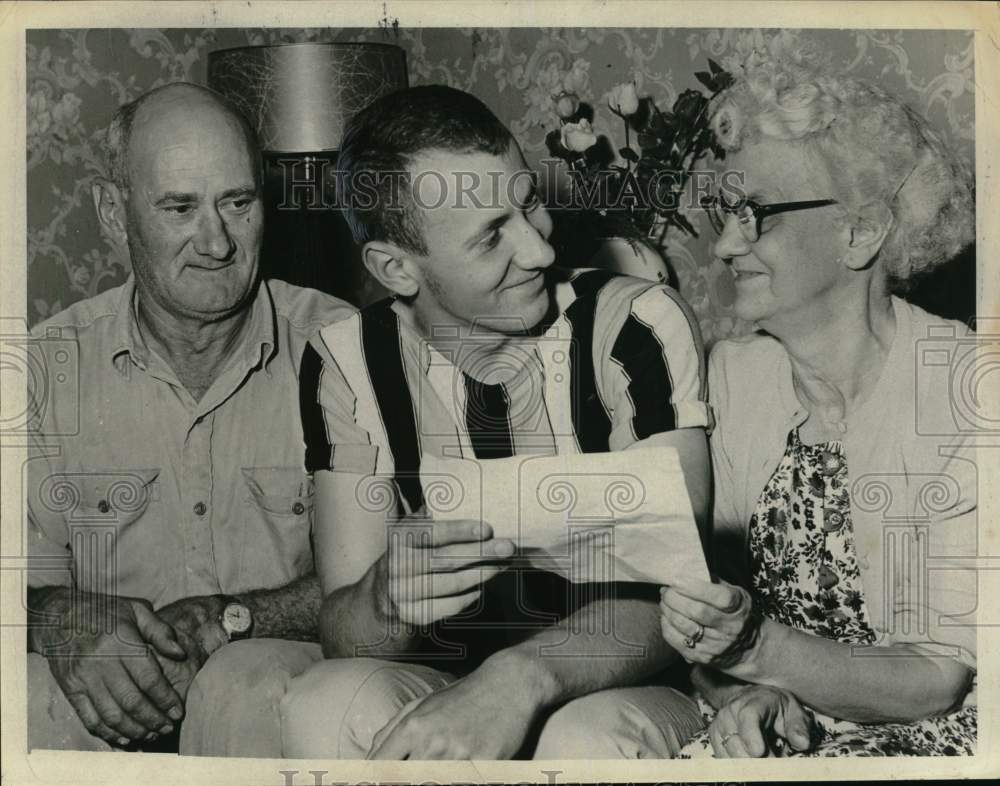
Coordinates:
(623, 99)
(39, 116)
(567, 104)
(578, 136)
(67, 111)
(576, 80)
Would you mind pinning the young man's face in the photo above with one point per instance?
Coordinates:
(487, 246)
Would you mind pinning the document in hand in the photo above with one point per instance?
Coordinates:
(618, 516)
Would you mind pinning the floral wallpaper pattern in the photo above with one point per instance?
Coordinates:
(77, 78)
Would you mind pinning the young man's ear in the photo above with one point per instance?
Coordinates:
(109, 202)
(867, 230)
(392, 267)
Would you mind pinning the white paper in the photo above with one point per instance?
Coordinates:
(617, 516)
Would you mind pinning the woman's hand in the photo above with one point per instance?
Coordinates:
(759, 722)
(713, 624)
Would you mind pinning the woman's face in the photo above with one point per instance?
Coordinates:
(783, 277)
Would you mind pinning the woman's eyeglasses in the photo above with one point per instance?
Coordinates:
(750, 214)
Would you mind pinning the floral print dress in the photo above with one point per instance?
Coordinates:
(806, 575)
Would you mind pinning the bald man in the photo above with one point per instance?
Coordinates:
(168, 509)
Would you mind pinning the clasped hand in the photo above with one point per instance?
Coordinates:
(125, 668)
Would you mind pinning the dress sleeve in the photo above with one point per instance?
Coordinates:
(938, 610)
(728, 526)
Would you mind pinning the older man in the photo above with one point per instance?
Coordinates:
(486, 352)
(168, 510)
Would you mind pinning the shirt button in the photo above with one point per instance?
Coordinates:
(199, 509)
(103, 506)
(298, 508)
(833, 520)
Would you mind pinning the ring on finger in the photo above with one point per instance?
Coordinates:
(727, 737)
(699, 634)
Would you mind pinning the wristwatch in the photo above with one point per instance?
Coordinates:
(236, 620)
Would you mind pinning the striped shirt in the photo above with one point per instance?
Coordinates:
(621, 361)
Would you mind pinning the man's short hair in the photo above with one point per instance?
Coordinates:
(119, 133)
(381, 141)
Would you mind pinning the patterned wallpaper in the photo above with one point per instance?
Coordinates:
(76, 79)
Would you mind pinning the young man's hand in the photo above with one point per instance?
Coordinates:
(433, 569)
(486, 715)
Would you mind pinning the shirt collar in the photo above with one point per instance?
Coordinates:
(259, 346)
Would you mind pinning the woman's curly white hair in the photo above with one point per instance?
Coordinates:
(875, 147)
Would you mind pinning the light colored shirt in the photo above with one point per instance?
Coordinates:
(136, 489)
(912, 475)
(620, 363)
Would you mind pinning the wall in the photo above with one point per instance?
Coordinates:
(76, 79)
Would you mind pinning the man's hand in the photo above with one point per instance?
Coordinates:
(753, 723)
(200, 618)
(97, 647)
(486, 715)
(434, 569)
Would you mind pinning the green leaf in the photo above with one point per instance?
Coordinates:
(706, 79)
(628, 154)
(716, 68)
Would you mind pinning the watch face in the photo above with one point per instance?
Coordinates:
(236, 618)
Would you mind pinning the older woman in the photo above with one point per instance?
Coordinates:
(840, 520)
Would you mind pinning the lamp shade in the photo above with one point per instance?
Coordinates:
(300, 96)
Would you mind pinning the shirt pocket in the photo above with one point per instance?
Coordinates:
(285, 492)
(279, 507)
(103, 510)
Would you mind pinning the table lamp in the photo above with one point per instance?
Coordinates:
(299, 98)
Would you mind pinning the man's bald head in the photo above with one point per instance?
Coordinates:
(175, 103)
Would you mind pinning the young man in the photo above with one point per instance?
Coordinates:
(485, 352)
